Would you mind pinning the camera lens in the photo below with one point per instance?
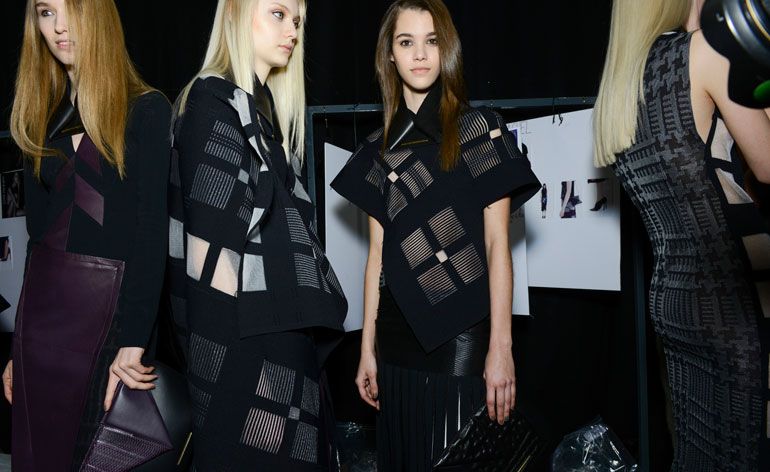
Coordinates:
(759, 13)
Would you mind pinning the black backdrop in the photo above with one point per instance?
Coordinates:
(575, 359)
(513, 48)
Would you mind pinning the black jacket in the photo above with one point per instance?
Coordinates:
(242, 230)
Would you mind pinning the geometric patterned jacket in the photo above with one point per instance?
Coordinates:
(242, 238)
(433, 255)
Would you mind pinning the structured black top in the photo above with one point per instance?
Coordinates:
(434, 257)
(242, 229)
(129, 224)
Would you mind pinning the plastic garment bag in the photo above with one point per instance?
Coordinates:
(594, 448)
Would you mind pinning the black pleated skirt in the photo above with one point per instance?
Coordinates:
(425, 398)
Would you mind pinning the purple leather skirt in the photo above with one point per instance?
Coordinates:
(65, 311)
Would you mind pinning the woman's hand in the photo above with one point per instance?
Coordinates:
(500, 377)
(128, 367)
(8, 381)
(366, 379)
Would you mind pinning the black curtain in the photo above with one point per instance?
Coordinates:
(576, 357)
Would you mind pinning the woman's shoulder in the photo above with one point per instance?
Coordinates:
(149, 108)
(216, 96)
(212, 87)
(371, 146)
(477, 121)
(152, 101)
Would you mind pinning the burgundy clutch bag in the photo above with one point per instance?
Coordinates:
(131, 433)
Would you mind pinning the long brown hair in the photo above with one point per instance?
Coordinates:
(453, 96)
(107, 82)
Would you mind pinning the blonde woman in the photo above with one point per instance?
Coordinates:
(260, 302)
(665, 124)
(96, 138)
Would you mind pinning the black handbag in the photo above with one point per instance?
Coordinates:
(484, 445)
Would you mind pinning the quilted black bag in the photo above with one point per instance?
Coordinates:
(484, 445)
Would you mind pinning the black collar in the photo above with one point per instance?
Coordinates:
(66, 119)
(263, 99)
(409, 128)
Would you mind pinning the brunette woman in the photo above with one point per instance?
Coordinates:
(96, 139)
(439, 182)
(261, 303)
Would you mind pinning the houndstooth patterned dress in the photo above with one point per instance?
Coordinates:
(711, 248)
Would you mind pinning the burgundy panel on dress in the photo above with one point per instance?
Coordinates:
(65, 311)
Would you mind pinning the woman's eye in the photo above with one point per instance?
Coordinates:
(405, 43)
(297, 23)
(278, 14)
(44, 13)
(433, 41)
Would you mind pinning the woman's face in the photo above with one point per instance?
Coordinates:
(274, 31)
(415, 49)
(54, 26)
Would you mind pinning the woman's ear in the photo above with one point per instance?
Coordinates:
(392, 59)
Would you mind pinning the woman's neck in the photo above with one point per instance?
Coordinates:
(262, 70)
(693, 21)
(73, 83)
(414, 98)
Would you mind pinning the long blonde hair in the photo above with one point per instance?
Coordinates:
(636, 24)
(230, 54)
(106, 80)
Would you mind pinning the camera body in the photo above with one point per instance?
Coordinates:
(740, 31)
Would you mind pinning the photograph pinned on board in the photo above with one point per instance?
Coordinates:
(516, 132)
(544, 200)
(6, 262)
(600, 194)
(570, 199)
(12, 184)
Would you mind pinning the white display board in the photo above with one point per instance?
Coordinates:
(12, 267)
(347, 238)
(347, 244)
(573, 234)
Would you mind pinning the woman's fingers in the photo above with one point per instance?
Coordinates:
(112, 385)
(128, 368)
(134, 379)
(508, 404)
(362, 391)
(491, 403)
(368, 390)
(137, 376)
(500, 404)
(8, 381)
(374, 391)
(501, 399)
(137, 367)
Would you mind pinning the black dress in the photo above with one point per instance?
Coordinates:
(252, 287)
(127, 224)
(433, 324)
(709, 295)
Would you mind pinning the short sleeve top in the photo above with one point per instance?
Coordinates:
(434, 257)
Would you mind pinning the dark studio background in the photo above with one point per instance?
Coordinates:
(576, 358)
